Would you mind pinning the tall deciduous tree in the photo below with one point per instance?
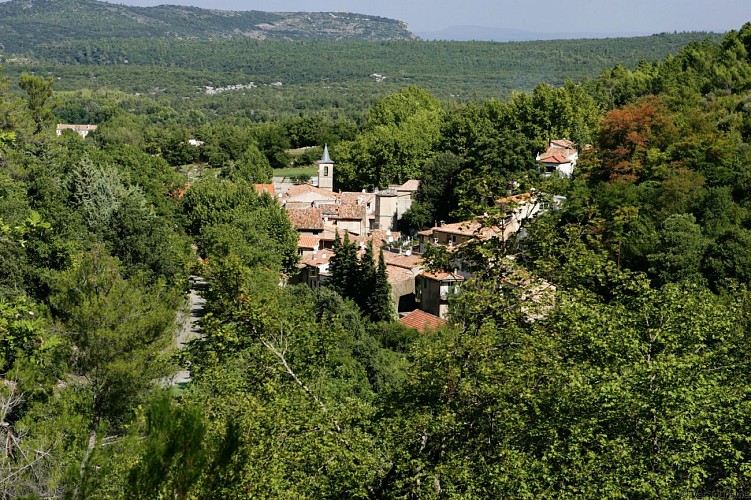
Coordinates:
(682, 246)
(400, 134)
(629, 133)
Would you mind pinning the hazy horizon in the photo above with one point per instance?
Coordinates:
(535, 16)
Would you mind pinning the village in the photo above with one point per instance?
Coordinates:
(420, 295)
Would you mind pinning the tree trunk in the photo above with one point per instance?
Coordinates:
(84, 462)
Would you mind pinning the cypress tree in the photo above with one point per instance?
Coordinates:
(335, 265)
(380, 307)
(344, 267)
(366, 278)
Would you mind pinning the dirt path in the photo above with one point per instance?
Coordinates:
(187, 320)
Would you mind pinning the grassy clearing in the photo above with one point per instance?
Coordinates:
(294, 153)
(295, 171)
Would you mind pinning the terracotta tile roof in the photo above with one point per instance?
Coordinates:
(346, 212)
(473, 228)
(442, 276)
(354, 198)
(410, 185)
(352, 212)
(562, 144)
(381, 237)
(398, 275)
(400, 260)
(554, 156)
(306, 218)
(329, 209)
(329, 233)
(303, 189)
(306, 241)
(422, 321)
(296, 204)
(265, 188)
(316, 259)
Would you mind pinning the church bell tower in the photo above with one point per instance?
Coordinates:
(325, 171)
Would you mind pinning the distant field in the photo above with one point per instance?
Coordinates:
(295, 171)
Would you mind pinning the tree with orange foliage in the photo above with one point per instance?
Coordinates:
(628, 133)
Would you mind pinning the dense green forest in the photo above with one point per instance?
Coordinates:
(262, 80)
(633, 383)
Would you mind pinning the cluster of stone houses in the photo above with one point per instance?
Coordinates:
(420, 296)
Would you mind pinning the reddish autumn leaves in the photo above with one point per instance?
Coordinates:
(627, 134)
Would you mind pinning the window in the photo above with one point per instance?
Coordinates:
(325, 171)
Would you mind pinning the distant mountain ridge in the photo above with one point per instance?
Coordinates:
(25, 24)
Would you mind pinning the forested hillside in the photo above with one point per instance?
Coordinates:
(25, 24)
(632, 382)
(269, 79)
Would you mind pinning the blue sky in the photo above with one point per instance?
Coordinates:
(544, 16)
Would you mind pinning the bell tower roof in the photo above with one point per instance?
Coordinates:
(325, 158)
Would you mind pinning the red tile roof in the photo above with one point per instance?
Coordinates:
(346, 212)
(296, 204)
(302, 189)
(472, 228)
(442, 276)
(305, 241)
(316, 259)
(562, 144)
(422, 321)
(355, 198)
(554, 156)
(406, 261)
(329, 209)
(380, 235)
(306, 218)
(379, 238)
(397, 275)
(352, 212)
